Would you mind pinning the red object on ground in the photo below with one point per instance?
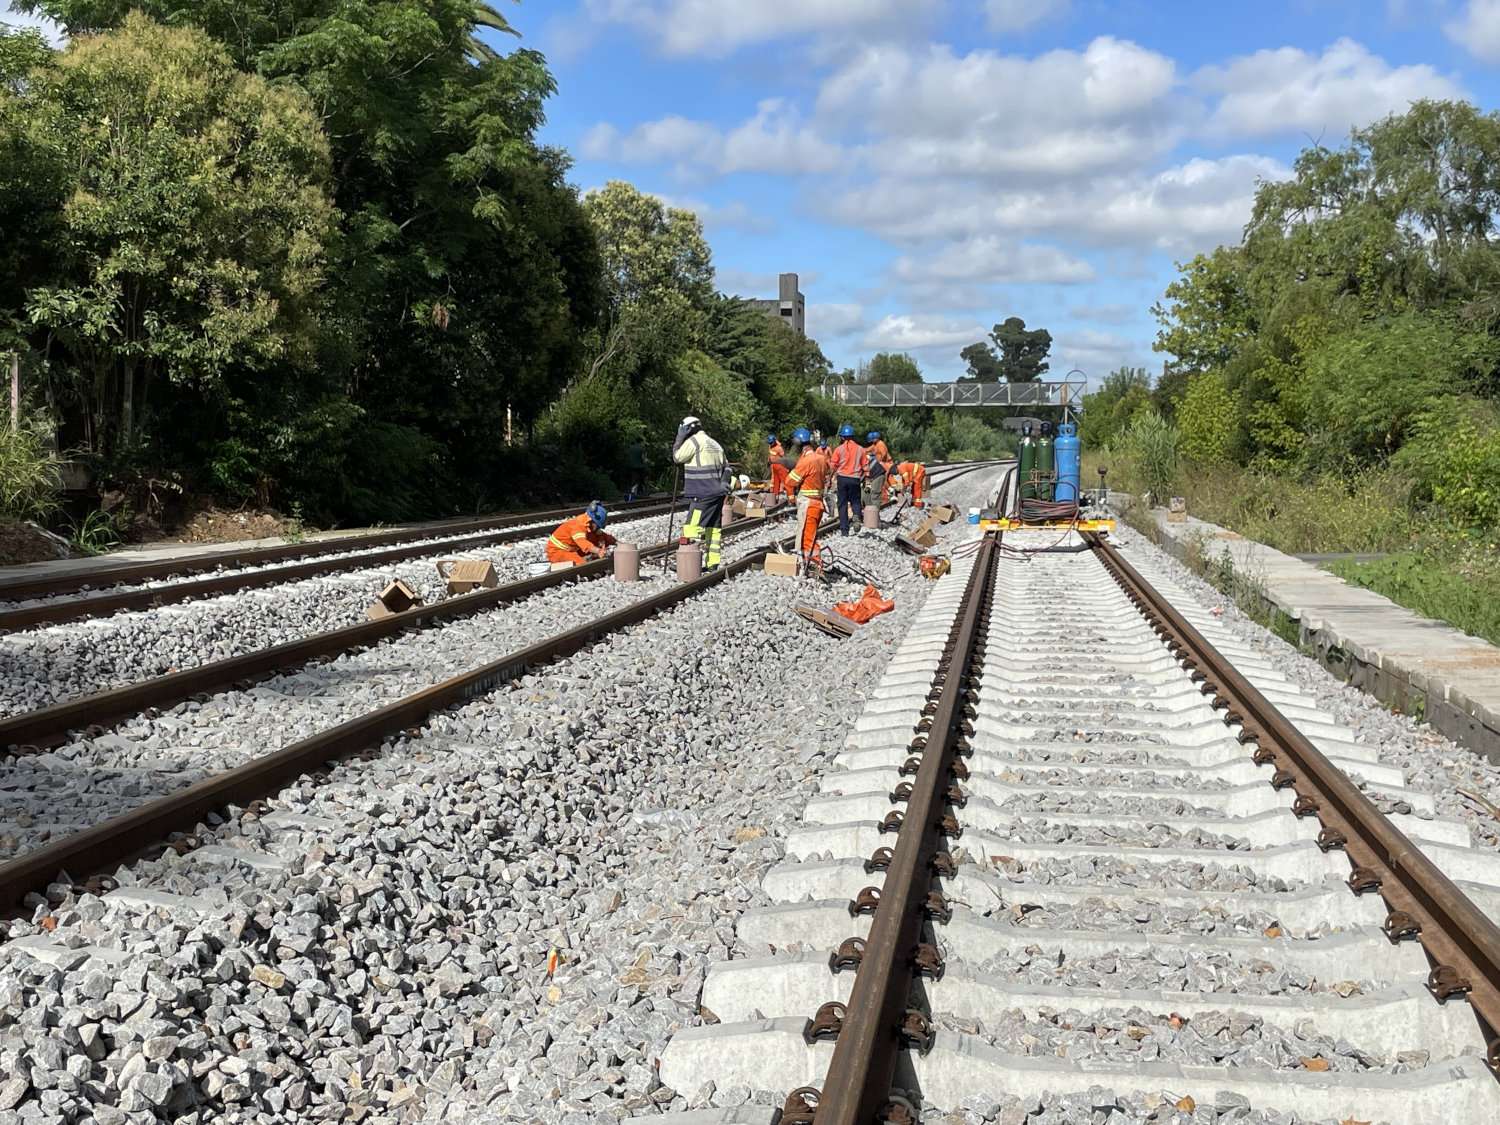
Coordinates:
(868, 606)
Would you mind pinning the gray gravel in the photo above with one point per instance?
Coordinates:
(45, 666)
(396, 967)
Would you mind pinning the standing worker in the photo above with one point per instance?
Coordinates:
(849, 471)
(882, 458)
(913, 480)
(774, 454)
(809, 479)
(703, 468)
(581, 538)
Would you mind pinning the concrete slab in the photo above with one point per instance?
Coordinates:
(1402, 658)
(773, 1053)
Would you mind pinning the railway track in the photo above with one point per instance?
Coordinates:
(35, 603)
(84, 849)
(1087, 855)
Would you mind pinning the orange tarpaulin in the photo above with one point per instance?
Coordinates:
(868, 606)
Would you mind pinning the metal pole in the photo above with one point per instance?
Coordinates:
(15, 392)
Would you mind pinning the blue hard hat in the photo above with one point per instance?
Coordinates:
(873, 435)
(822, 443)
(802, 435)
(846, 431)
(770, 439)
(597, 512)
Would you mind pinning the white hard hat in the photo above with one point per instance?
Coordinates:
(690, 420)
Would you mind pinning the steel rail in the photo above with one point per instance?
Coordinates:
(105, 845)
(1462, 943)
(117, 574)
(150, 597)
(48, 726)
(876, 1024)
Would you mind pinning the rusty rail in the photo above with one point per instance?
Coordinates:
(1462, 943)
(114, 575)
(104, 846)
(149, 597)
(877, 1024)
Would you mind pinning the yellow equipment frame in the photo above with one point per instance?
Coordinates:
(1005, 523)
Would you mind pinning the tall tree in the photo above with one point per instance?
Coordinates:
(193, 240)
(983, 364)
(892, 367)
(1023, 351)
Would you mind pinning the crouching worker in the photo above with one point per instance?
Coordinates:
(914, 480)
(581, 538)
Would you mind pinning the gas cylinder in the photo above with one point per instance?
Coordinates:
(1068, 450)
(1046, 463)
(1028, 462)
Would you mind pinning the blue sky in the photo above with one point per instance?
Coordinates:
(930, 167)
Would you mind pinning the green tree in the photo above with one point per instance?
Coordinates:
(193, 236)
(1208, 420)
(1207, 315)
(892, 367)
(982, 362)
(1108, 410)
(1023, 351)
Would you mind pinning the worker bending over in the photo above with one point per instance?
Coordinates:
(849, 472)
(703, 470)
(913, 476)
(581, 538)
(779, 471)
(809, 479)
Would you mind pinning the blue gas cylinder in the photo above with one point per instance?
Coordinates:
(1068, 453)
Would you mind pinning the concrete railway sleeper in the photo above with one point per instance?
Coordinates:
(1048, 876)
(101, 846)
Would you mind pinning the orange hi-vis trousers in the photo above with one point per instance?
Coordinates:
(809, 516)
(779, 473)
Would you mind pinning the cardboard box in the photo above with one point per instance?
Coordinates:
(563, 566)
(1177, 510)
(396, 598)
(924, 536)
(944, 513)
(783, 565)
(741, 508)
(755, 512)
(466, 575)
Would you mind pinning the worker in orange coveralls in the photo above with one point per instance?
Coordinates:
(876, 449)
(774, 454)
(809, 478)
(581, 538)
(914, 480)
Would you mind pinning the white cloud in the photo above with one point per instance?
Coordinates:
(834, 320)
(986, 113)
(1105, 314)
(1288, 90)
(1018, 15)
(735, 215)
(1188, 207)
(988, 259)
(719, 27)
(15, 19)
(908, 332)
(1477, 29)
(774, 140)
(1096, 354)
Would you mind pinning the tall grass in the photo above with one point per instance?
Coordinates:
(29, 474)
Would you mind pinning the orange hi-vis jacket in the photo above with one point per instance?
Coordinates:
(811, 474)
(775, 453)
(849, 459)
(575, 540)
(882, 454)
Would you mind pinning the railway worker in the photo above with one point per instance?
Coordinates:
(877, 467)
(581, 538)
(703, 485)
(779, 471)
(809, 479)
(913, 476)
(848, 467)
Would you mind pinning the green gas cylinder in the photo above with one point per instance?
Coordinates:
(1046, 463)
(1028, 462)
